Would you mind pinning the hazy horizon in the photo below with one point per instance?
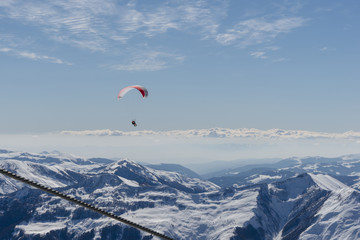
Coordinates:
(188, 146)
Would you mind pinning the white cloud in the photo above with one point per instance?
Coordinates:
(259, 54)
(188, 146)
(273, 48)
(6, 3)
(5, 50)
(180, 15)
(95, 24)
(262, 54)
(282, 59)
(258, 30)
(33, 56)
(105, 25)
(326, 49)
(149, 61)
(224, 133)
(75, 22)
(80, 22)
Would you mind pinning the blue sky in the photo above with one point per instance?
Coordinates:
(230, 64)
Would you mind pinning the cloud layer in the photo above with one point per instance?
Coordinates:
(223, 133)
(189, 146)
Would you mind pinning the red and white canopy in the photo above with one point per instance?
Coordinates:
(141, 89)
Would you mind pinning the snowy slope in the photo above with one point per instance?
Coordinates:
(50, 169)
(54, 158)
(305, 207)
(339, 217)
(285, 208)
(148, 176)
(204, 216)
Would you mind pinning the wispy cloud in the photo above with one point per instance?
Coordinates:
(105, 25)
(33, 56)
(272, 48)
(80, 22)
(262, 53)
(149, 61)
(323, 49)
(5, 50)
(73, 22)
(282, 59)
(259, 54)
(258, 30)
(179, 15)
(326, 49)
(102, 26)
(224, 133)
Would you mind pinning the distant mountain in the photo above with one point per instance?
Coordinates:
(342, 168)
(279, 204)
(175, 168)
(101, 160)
(206, 168)
(235, 170)
(5, 151)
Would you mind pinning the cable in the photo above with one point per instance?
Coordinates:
(81, 203)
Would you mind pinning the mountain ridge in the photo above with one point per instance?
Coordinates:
(295, 207)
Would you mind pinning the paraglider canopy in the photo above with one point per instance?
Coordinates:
(141, 89)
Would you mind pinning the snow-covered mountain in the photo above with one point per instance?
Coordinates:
(303, 206)
(345, 169)
(339, 216)
(50, 169)
(175, 168)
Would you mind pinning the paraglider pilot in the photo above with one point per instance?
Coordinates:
(134, 123)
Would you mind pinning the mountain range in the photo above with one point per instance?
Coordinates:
(296, 198)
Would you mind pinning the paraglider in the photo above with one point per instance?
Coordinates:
(141, 89)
